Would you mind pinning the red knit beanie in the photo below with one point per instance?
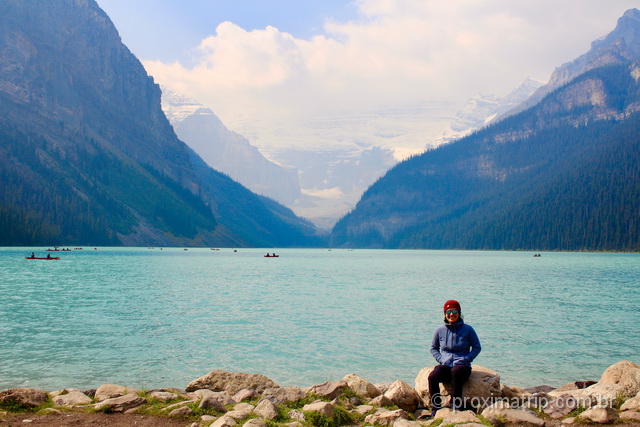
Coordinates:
(452, 304)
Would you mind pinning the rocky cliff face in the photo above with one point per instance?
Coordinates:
(90, 158)
(619, 46)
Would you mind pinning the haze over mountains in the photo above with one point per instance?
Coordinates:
(323, 182)
(562, 174)
(88, 156)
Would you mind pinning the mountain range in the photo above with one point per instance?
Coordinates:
(559, 173)
(227, 151)
(89, 157)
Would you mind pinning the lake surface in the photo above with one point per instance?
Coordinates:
(151, 318)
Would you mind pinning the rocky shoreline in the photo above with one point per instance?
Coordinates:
(227, 399)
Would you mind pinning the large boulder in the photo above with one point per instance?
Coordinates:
(329, 390)
(267, 409)
(231, 382)
(385, 417)
(516, 416)
(121, 404)
(323, 408)
(74, 397)
(29, 397)
(599, 394)
(481, 389)
(284, 395)
(632, 404)
(109, 391)
(403, 396)
(600, 415)
(450, 417)
(361, 387)
(624, 373)
(560, 406)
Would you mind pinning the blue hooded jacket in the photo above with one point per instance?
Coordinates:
(455, 344)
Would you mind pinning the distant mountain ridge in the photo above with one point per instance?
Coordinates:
(227, 151)
(619, 46)
(563, 174)
(483, 109)
(90, 158)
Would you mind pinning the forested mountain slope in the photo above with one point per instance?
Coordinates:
(562, 175)
(87, 156)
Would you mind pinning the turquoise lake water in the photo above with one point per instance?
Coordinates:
(151, 318)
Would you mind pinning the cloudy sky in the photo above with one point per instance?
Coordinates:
(275, 60)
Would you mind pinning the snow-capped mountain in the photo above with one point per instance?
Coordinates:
(620, 45)
(483, 109)
(227, 151)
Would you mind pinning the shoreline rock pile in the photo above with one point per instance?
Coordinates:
(225, 399)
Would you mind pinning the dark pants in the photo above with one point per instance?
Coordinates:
(457, 376)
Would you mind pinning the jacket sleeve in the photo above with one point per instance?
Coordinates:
(474, 342)
(435, 347)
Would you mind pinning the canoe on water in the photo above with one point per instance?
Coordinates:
(32, 257)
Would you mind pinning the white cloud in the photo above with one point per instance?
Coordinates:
(397, 53)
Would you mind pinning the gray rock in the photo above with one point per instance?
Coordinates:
(267, 410)
(540, 389)
(329, 390)
(384, 417)
(403, 396)
(224, 421)
(480, 390)
(163, 396)
(30, 397)
(599, 414)
(630, 416)
(599, 394)
(361, 386)
(255, 422)
(520, 416)
(323, 408)
(383, 387)
(624, 373)
(561, 406)
(245, 394)
(632, 404)
(179, 404)
(575, 385)
(283, 395)
(241, 411)
(109, 391)
(363, 409)
(222, 396)
(72, 398)
(460, 417)
(121, 404)
(381, 401)
(231, 382)
(184, 411)
(211, 402)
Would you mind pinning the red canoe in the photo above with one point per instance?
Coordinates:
(30, 257)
